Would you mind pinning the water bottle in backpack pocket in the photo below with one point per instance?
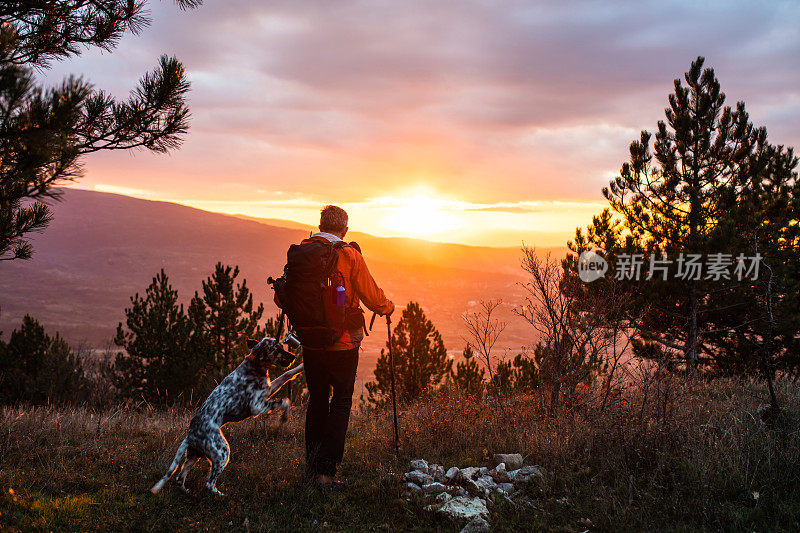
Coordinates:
(340, 295)
(335, 301)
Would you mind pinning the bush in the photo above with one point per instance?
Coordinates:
(419, 355)
(39, 369)
(469, 376)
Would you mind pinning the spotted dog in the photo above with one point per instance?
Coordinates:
(244, 393)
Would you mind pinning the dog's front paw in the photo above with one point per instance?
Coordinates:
(217, 493)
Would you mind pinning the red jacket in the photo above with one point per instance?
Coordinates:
(358, 285)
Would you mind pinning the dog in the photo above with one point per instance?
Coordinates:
(243, 394)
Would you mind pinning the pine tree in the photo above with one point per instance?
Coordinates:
(527, 376)
(764, 312)
(503, 378)
(678, 197)
(39, 369)
(469, 376)
(158, 363)
(44, 133)
(420, 358)
(227, 316)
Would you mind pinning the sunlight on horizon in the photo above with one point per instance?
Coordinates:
(419, 211)
(417, 215)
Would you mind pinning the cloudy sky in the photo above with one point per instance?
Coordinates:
(486, 122)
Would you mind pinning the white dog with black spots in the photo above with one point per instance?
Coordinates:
(243, 394)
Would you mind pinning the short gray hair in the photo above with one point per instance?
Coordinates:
(333, 219)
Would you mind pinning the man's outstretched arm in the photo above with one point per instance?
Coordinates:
(366, 288)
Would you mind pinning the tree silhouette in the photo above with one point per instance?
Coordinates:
(45, 132)
(173, 355)
(469, 376)
(225, 318)
(763, 315)
(37, 368)
(420, 358)
(684, 194)
(158, 363)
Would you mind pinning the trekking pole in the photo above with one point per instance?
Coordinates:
(394, 400)
(391, 373)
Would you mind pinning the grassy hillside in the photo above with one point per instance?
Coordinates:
(708, 465)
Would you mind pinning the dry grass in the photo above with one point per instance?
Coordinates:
(709, 464)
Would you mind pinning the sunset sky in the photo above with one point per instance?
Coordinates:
(481, 122)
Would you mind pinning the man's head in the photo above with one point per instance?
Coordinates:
(333, 220)
(268, 351)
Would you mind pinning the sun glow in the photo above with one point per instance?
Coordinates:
(418, 215)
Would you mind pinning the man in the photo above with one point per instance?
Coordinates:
(334, 367)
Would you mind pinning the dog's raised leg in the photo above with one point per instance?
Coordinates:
(265, 405)
(262, 405)
(218, 453)
(278, 382)
(180, 479)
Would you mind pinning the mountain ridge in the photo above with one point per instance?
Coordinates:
(102, 248)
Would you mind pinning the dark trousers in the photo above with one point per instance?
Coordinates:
(328, 415)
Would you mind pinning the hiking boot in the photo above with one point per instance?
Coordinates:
(324, 482)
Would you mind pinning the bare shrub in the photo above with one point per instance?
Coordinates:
(573, 344)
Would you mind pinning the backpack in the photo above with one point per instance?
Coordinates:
(308, 293)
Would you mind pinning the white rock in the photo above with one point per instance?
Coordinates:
(420, 464)
(506, 488)
(415, 476)
(476, 525)
(487, 480)
(443, 497)
(464, 508)
(484, 471)
(500, 474)
(513, 461)
(452, 474)
(413, 487)
(473, 488)
(471, 472)
(433, 488)
(486, 484)
(525, 475)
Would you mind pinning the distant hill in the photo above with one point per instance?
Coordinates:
(102, 248)
(417, 251)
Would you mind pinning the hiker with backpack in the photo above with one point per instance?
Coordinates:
(324, 280)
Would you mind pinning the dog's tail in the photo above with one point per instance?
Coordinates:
(179, 456)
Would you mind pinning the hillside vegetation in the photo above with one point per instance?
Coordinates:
(701, 461)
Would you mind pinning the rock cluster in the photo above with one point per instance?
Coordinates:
(462, 493)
